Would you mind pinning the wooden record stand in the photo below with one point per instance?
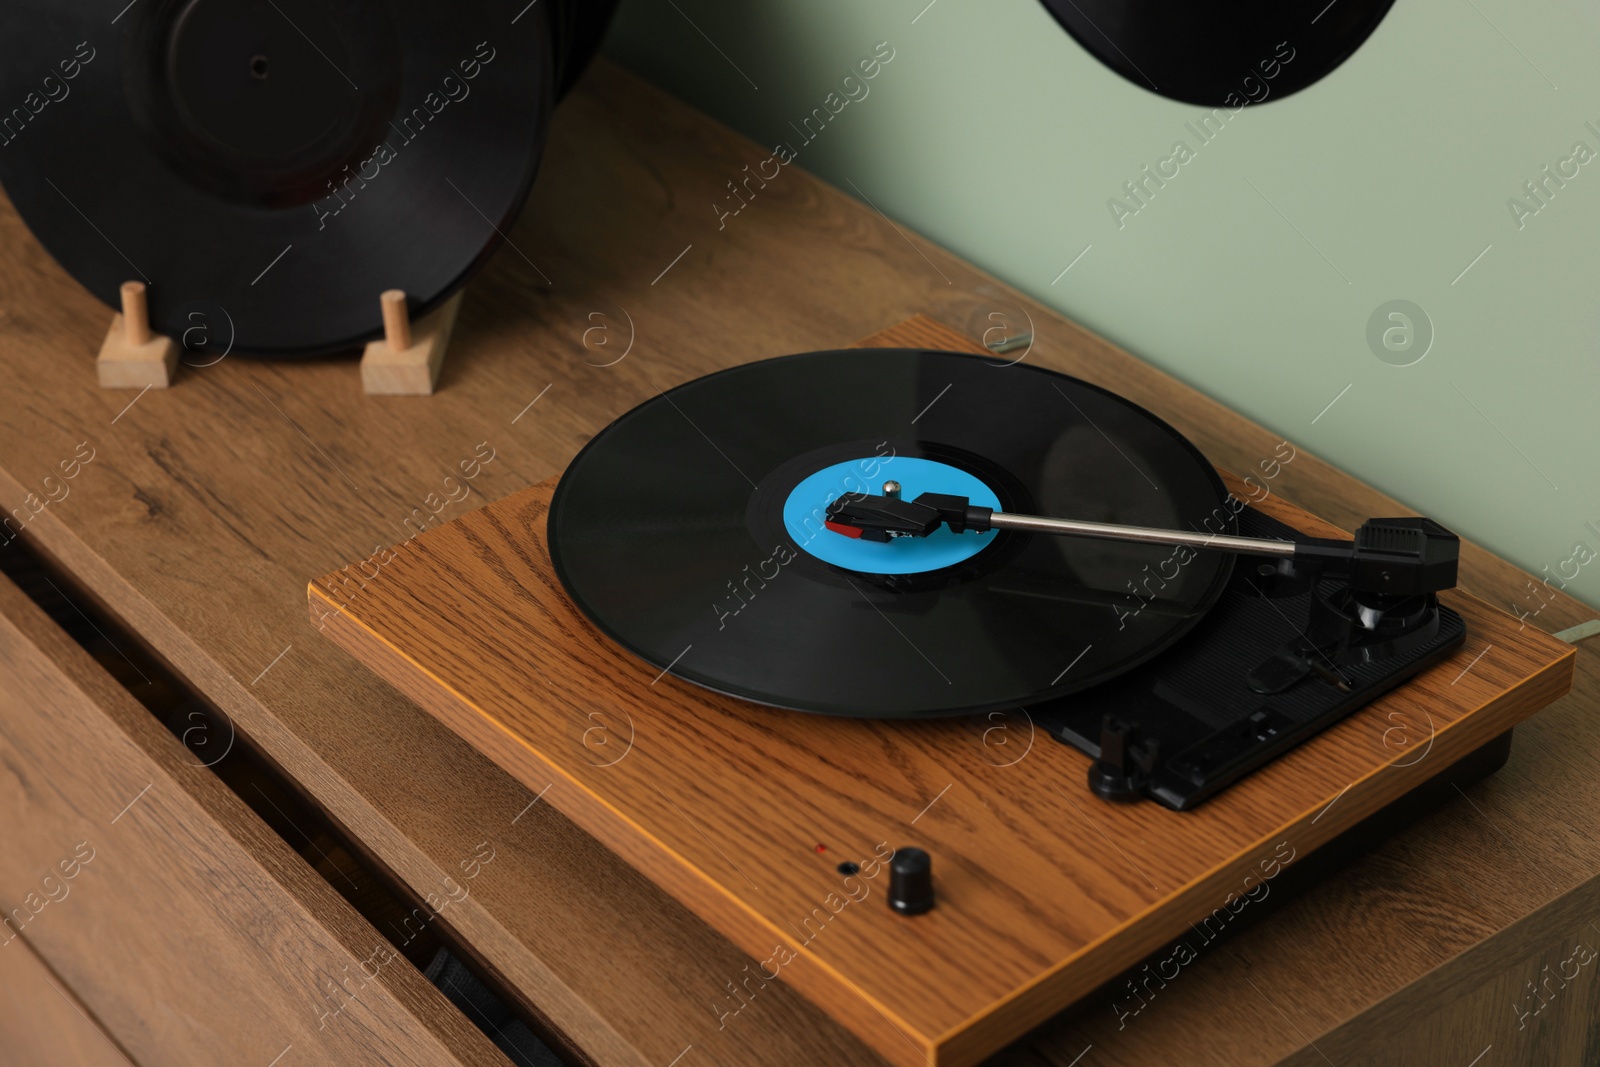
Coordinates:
(405, 362)
(745, 813)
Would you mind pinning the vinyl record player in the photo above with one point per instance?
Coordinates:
(794, 640)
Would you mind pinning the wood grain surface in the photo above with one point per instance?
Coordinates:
(208, 506)
(43, 1025)
(1045, 891)
(191, 931)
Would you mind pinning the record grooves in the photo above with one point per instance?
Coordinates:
(668, 530)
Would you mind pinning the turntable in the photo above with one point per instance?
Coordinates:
(802, 640)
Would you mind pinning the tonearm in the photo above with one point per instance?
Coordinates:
(1387, 557)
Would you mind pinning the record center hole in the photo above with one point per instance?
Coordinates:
(258, 68)
(847, 868)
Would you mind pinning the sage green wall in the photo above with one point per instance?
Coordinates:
(1253, 273)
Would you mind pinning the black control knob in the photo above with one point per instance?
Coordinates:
(911, 881)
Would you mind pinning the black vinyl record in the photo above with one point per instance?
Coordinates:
(274, 165)
(685, 532)
(1221, 53)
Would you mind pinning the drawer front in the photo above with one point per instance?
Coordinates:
(43, 1025)
(182, 923)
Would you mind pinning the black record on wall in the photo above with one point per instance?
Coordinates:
(1221, 52)
(280, 163)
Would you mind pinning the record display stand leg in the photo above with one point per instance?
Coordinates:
(408, 359)
(131, 357)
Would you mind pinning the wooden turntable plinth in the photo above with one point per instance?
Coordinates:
(745, 813)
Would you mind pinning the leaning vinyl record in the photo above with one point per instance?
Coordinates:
(691, 531)
(269, 167)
